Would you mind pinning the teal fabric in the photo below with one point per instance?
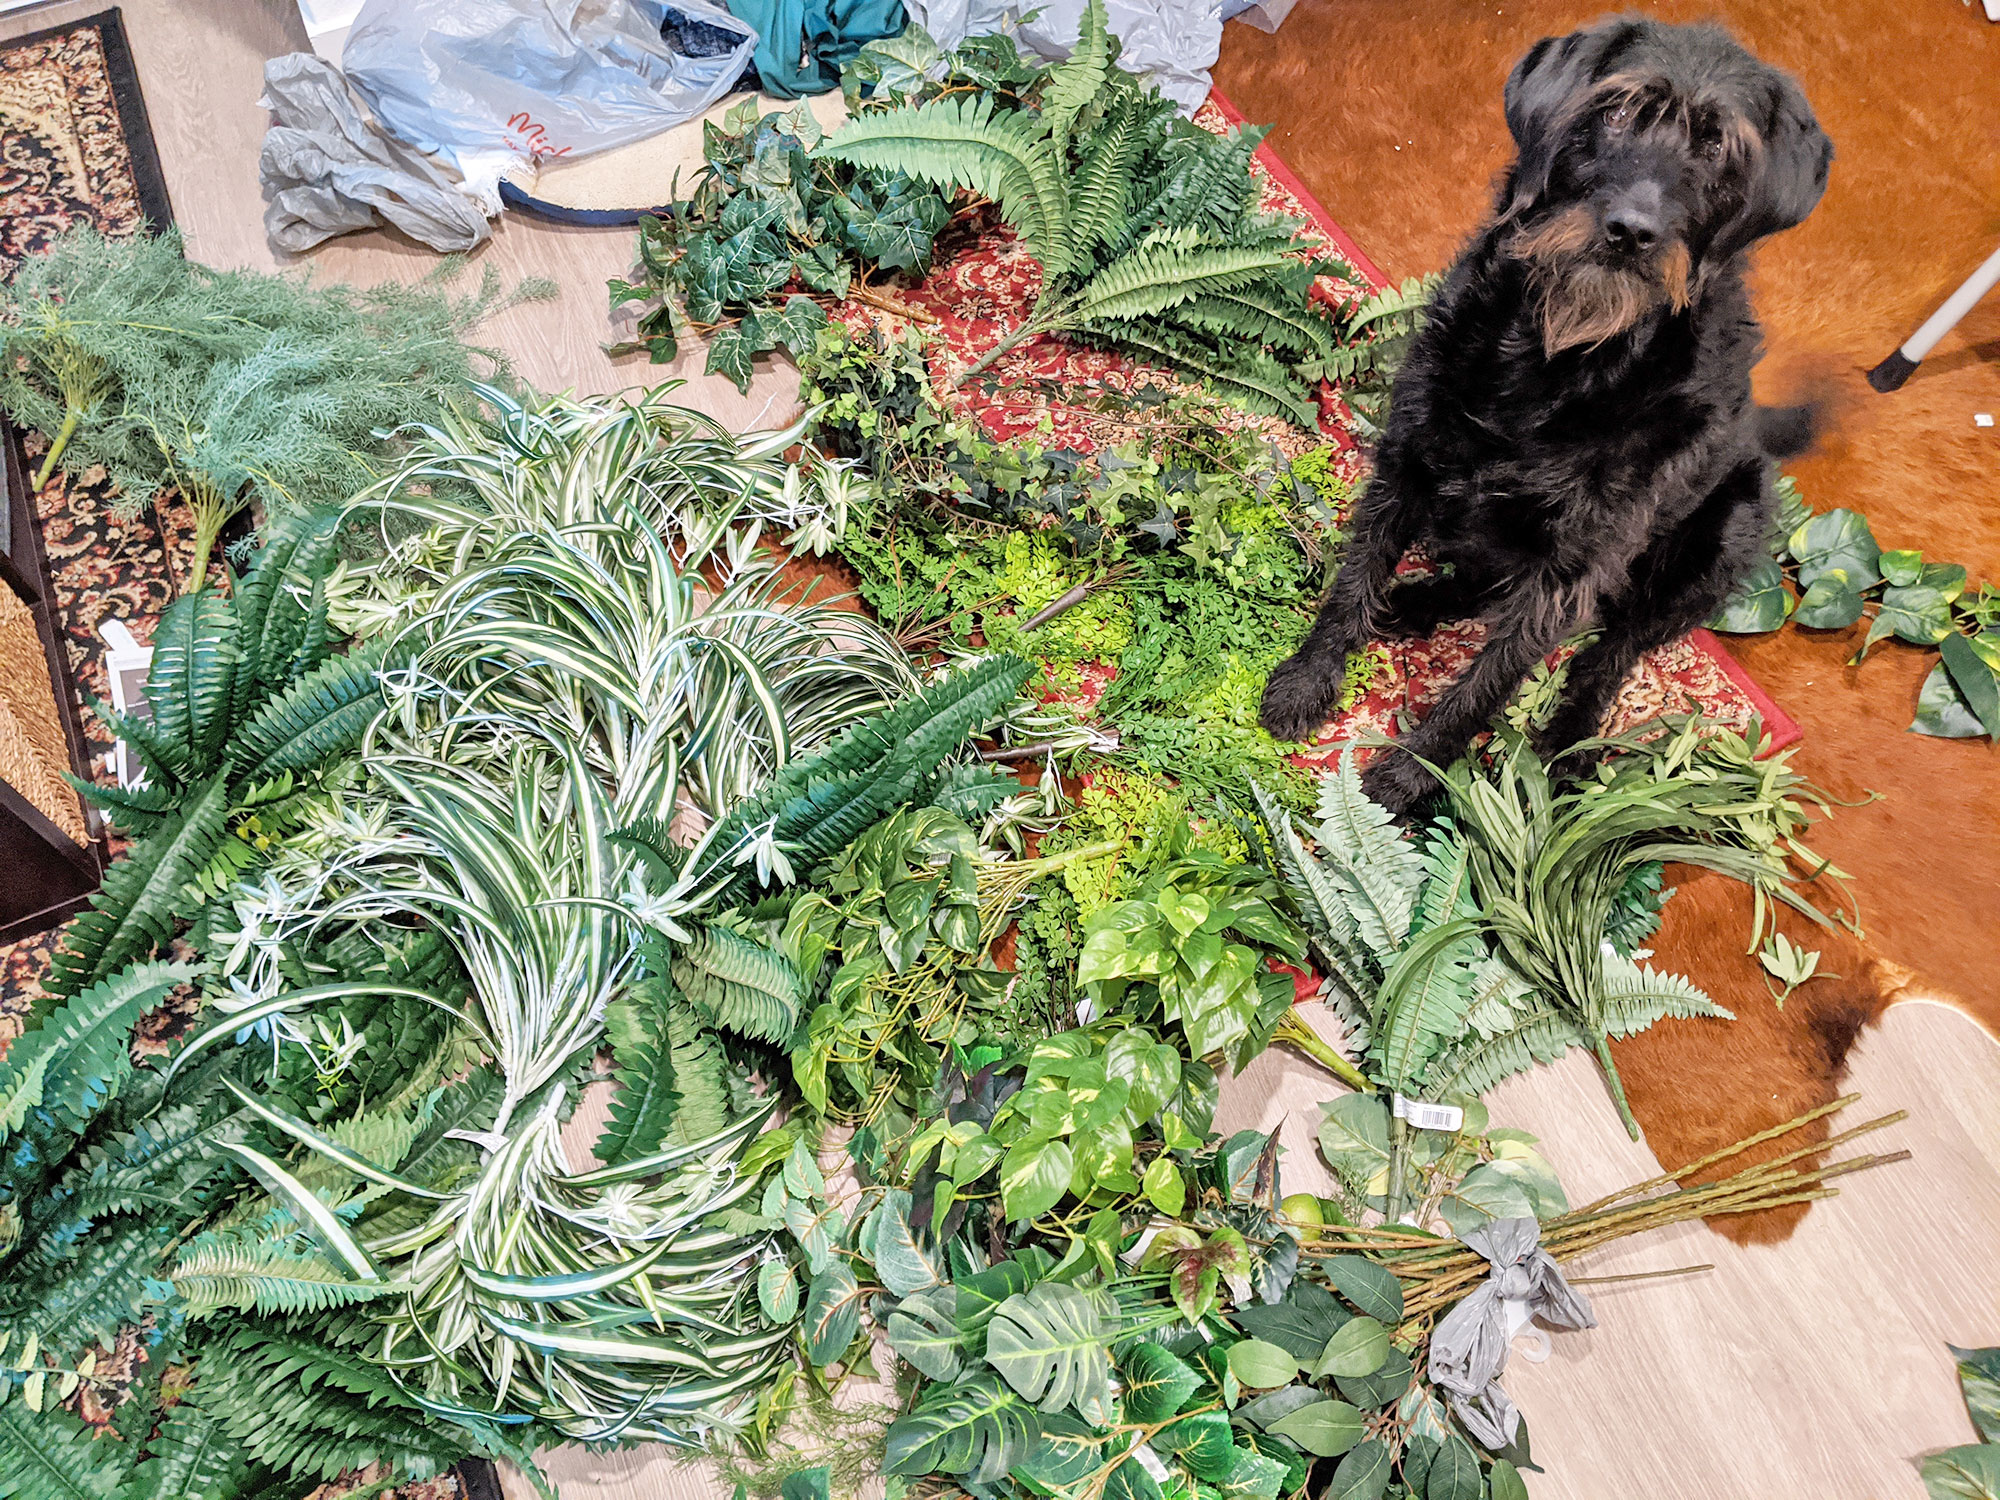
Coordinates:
(802, 44)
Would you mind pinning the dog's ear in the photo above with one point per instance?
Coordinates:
(1791, 173)
(1543, 93)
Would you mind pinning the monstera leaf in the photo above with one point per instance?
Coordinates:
(978, 1429)
(1051, 1343)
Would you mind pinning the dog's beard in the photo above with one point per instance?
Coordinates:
(1585, 301)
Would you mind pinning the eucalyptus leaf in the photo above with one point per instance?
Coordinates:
(1325, 1429)
(1504, 1482)
(1362, 1475)
(1260, 1365)
(1301, 1324)
(1382, 1386)
(1262, 1411)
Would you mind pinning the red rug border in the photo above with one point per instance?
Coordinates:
(1781, 728)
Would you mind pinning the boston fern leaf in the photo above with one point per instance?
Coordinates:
(50, 1455)
(142, 896)
(193, 1458)
(81, 1052)
(298, 552)
(977, 1428)
(1155, 277)
(637, 1024)
(1478, 1065)
(1636, 995)
(1262, 313)
(217, 1274)
(1100, 197)
(1073, 83)
(110, 1286)
(1248, 377)
(322, 715)
(1378, 868)
(960, 142)
(194, 663)
(134, 810)
(740, 985)
(1424, 1000)
(701, 1078)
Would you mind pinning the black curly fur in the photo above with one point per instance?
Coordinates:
(1572, 437)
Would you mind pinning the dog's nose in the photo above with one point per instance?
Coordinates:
(1630, 227)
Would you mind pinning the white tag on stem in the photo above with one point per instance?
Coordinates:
(1424, 1116)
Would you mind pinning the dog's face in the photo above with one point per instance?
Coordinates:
(1648, 154)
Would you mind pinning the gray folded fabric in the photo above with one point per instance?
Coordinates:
(1469, 1347)
(326, 169)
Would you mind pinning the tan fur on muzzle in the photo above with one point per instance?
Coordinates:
(1585, 302)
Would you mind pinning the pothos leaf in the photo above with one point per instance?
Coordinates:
(900, 1262)
(1979, 1378)
(833, 1312)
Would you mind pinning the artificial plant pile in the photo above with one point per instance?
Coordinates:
(567, 983)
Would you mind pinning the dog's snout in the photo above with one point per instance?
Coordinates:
(1630, 227)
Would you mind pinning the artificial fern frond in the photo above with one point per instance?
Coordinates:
(1261, 313)
(960, 142)
(78, 1056)
(1447, 889)
(701, 1078)
(1477, 1066)
(1074, 82)
(190, 681)
(222, 1273)
(1248, 378)
(50, 1455)
(111, 1284)
(1423, 1001)
(133, 810)
(637, 1024)
(142, 895)
(1637, 995)
(1156, 277)
(297, 555)
(322, 715)
(1379, 869)
(740, 985)
(1100, 197)
(193, 1457)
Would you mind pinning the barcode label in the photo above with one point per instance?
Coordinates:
(1428, 1116)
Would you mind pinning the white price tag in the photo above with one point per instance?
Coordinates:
(1428, 1116)
(1150, 1462)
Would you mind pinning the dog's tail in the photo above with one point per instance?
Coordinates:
(1787, 431)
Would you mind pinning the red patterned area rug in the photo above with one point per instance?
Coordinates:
(1048, 387)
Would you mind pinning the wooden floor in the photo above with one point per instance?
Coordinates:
(1814, 1370)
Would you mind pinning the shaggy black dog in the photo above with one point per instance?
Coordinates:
(1572, 439)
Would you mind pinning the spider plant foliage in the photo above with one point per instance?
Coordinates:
(1146, 227)
(601, 721)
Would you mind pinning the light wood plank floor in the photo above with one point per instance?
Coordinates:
(1813, 1370)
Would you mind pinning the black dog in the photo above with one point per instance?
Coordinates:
(1572, 438)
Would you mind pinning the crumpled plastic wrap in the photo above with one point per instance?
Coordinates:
(1171, 42)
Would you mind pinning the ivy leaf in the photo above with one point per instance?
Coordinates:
(1362, 1475)
(976, 1428)
(833, 1313)
(1358, 1349)
(1979, 1379)
(1760, 603)
(797, 327)
(730, 354)
(1033, 1177)
(1837, 539)
(1976, 675)
(924, 1330)
(1261, 1366)
(1829, 602)
(1157, 1383)
(1369, 1285)
(1325, 1429)
(1050, 1343)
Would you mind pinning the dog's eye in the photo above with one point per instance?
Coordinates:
(1712, 148)
(1618, 114)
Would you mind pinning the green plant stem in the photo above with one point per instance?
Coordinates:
(1399, 1142)
(63, 434)
(1293, 1032)
(1617, 1085)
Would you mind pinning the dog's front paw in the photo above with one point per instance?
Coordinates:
(1397, 780)
(1300, 696)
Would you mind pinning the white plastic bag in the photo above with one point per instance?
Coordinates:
(489, 84)
(1170, 43)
